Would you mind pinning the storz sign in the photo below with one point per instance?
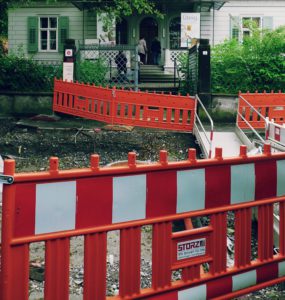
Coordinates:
(191, 248)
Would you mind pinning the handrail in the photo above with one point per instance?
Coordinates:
(249, 125)
(209, 140)
(261, 116)
(175, 67)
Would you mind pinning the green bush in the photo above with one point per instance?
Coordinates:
(22, 74)
(256, 64)
(92, 72)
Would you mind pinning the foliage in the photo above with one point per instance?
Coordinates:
(184, 73)
(22, 74)
(115, 9)
(256, 64)
(3, 45)
(92, 72)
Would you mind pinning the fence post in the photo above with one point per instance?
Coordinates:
(110, 68)
(175, 67)
(137, 70)
(14, 280)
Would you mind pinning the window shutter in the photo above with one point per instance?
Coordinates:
(234, 27)
(33, 23)
(63, 32)
(267, 23)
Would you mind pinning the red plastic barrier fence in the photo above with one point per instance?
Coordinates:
(124, 107)
(276, 133)
(269, 105)
(55, 205)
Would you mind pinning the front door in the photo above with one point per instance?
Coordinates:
(149, 30)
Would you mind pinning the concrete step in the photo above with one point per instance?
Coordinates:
(158, 80)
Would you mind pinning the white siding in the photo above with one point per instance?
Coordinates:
(206, 25)
(275, 9)
(17, 31)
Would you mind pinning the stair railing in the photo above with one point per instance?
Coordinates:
(175, 68)
(206, 142)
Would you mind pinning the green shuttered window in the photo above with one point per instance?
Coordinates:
(47, 33)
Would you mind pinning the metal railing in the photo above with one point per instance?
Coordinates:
(248, 123)
(203, 139)
(108, 65)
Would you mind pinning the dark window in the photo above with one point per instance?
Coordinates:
(175, 33)
(122, 32)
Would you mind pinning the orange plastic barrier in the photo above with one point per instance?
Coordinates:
(55, 205)
(269, 105)
(124, 107)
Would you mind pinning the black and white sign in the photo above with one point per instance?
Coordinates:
(192, 248)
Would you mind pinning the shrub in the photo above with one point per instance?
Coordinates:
(23, 74)
(92, 72)
(256, 64)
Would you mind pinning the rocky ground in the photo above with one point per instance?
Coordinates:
(32, 142)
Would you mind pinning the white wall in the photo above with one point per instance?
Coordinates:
(275, 9)
(18, 33)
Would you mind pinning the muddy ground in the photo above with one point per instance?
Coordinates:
(31, 143)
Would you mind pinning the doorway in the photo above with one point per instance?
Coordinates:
(149, 30)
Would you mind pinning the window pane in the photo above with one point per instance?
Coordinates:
(52, 43)
(174, 33)
(44, 22)
(256, 21)
(246, 34)
(53, 22)
(245, 22)
(44, 40)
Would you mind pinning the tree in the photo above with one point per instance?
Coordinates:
(113, 8)
(256, 64)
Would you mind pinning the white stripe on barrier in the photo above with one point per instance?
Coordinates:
(271, 131)
(281, 269)
(280, 177)
(242, 183)
(282, 135)
(195, 293)
(244, 280)
(129, 198)
(55, 207)
(190, 190)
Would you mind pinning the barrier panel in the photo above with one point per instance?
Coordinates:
(276, 133)
(56, 205)
(254, 105)
(124, 107)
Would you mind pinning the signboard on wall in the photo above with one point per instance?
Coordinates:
(190, 28)
(106, 30)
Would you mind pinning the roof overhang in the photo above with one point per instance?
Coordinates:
(199, 4)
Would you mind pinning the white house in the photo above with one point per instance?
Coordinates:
(41, 29)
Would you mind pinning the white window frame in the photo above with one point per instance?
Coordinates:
(48, 29)
(245, 29)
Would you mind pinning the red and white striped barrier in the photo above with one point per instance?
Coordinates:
(68, 205)
(276, 133)
(56, 205)
(227, 285)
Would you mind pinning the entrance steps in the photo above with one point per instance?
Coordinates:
(154, 73)
(154, 78)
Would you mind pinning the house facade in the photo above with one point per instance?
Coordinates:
(40, 29)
